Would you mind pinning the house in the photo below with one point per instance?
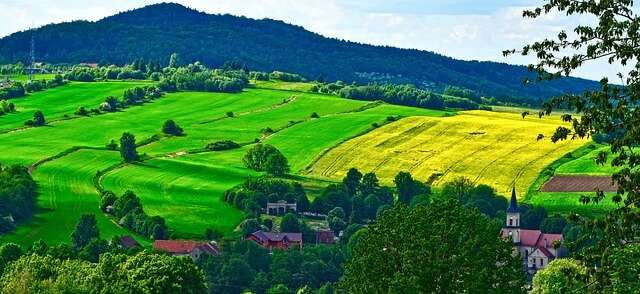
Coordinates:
(535, 248)
(127, 241)
(324, 237)
(191, 248)
(279, 240)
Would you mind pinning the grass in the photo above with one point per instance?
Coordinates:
(56, 102)
(565, 202)
(186, 190)
(285, 86)
(497, 149)
(66, 192)
(37, 77)
(585, 165)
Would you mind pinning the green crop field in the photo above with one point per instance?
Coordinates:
(66, 192)
(497, 149)
(586, 165)
(37, 77)
(186, 189)
(56, 102)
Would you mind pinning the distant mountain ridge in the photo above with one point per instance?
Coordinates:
(156, 31)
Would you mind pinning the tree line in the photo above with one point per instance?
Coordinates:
(17, 195)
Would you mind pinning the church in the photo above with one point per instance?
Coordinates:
(535, 248)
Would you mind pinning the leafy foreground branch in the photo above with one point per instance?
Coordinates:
(611, 264)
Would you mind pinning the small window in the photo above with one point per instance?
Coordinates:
(511, 221)
(541, 262)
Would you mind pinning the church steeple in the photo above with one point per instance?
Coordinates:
(513, 205)
(513, 218)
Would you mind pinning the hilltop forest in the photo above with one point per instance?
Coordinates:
(156, 31)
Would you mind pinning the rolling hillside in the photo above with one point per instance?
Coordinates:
(155, 32)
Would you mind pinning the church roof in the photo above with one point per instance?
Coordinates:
(513, 205)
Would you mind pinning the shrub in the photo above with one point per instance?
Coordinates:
(229, 114)
(222, 145)
(314, 115)
(81, 111)
(171, 128)
(375, 124)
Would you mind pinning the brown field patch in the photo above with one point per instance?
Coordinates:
(578, 183)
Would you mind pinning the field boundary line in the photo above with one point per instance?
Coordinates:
(274, 106)
(307, 168)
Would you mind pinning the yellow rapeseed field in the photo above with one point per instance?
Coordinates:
(497, 149)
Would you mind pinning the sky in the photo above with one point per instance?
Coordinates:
(462, 29)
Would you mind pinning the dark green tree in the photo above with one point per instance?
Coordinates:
(93, 250)
(249, 226)
(38, 118)
(128, 147)
(438, 248)
(352, 180)
(86, 229)
(174, 60)
(276, 164)
(237, 273)
(371, 204)
(256, 157)
(554, 224)
(107, 198)
(290, 224)
(357, 210)
(302, 203)
(407, 187)
(369, 184)
(171, 128)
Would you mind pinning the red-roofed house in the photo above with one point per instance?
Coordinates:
(280, 240)
(191, 248)
(537, 249)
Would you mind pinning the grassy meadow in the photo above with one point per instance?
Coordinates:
(497, 149)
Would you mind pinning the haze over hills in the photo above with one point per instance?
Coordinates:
(156, 31)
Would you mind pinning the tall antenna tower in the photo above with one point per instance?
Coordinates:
(32, 57)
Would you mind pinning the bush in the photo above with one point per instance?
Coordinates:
(171, 128)
(229, 114)
(375, 124)
(314, 115)
(81, 111)
(222, 145)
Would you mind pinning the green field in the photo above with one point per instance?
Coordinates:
(66, 192)
(186, 190)
(586, 165)
(56, 102)
(185, 185)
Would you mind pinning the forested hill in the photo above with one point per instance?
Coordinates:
(156, 31)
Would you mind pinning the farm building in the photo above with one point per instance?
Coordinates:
(325, 237)
(535, 248)
(279, 240)
(127, 241)
(191, 248)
